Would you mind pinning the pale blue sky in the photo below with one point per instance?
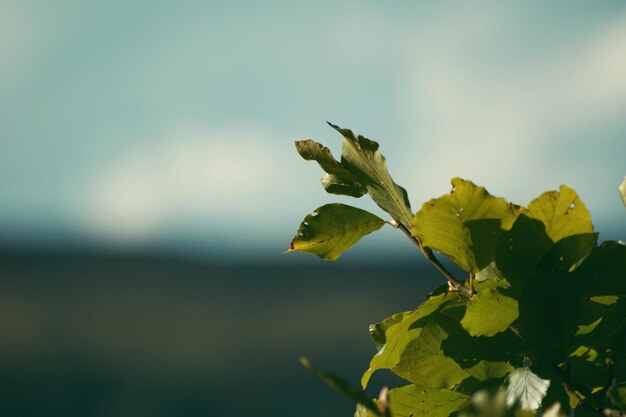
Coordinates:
(171, 123)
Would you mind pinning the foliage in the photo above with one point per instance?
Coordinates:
(539, 318)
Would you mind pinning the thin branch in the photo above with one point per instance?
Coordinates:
(455, 284)
(516, 332)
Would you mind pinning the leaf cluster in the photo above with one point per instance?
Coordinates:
(540, 315)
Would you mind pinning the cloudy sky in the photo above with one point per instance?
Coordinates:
(171, 123)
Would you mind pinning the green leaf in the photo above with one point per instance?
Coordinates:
(342, 386)
(521, 249)
(424, 362)
(622, 191)
(338, 179)
(619, 345)
(616, 396)
(559, 393)
(448, 224)
(490, 272)
(362, 411)
(378, 330)
(569, 251)
(526, 389)
(594, 312)
(489, 312)
(361, 157)
(362, 169)
(588, 367)
(398, 337)
(586, 329)
(468, 350)
(423, 401)
(549, 314)
(550, 304)
(562, 213)
(603, 272)
(332, 229)
(484, 234)
(484, 370)
(582, 411)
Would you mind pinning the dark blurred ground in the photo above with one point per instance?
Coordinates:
(88, 333)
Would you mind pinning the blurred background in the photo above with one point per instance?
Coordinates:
(149, 185)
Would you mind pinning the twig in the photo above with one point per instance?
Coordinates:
(516, 332)
(455, 284)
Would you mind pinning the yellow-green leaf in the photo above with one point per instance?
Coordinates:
(363, 159)
(332, 229)
(402, 333)
(424, 401)
(562, 213)
(448, 223)
(484, 370)
(489, 312)
(362, 169)
(338, 180)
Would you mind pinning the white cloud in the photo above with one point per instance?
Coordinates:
(494, 125)
(202, 175)
(484, 96)
(470, 113)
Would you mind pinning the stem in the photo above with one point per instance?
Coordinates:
(455, 284)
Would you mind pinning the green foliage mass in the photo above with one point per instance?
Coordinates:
(539, 317)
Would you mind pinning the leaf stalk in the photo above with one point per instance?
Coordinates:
(455, 284)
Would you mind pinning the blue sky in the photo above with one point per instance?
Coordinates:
(171, 123)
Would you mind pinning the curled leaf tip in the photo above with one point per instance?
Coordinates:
(334, 126)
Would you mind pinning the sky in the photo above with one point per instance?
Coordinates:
(172, 123)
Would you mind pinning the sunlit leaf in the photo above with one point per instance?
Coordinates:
(405, 334)
(525, 389)
(362, 411)
(562, 213)
(362, 169)
(490, 272)
(338, 180)
(449, 224)
(332, 229)
(544, 295)
(489, 312)
(363, 159)
(423, 401)
(484, 370)
(424, 362)
(378, 330)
